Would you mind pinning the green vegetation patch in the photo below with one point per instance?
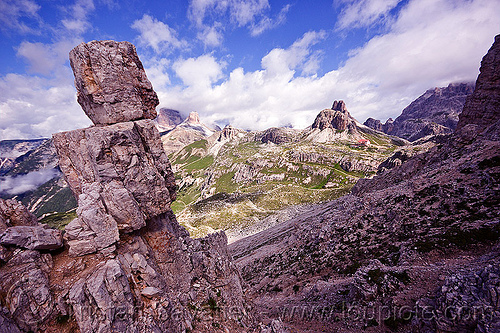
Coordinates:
(59, 220)
(200, 164)
(225, 183)
(185, 155)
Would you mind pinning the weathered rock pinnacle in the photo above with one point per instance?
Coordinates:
(111, 83)
(144, 272)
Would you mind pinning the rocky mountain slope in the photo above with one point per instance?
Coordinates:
(31, 174)
(233, 175)
(414, 249)
(435, 112)
(234, 179)
(231, 178)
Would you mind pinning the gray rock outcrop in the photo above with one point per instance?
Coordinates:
(279, 135)
(337, 117)
(32, 237)
(482, 108)
(121, 177)
(13, 213)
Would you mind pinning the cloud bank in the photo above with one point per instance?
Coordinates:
(13, 185)
(418, 51)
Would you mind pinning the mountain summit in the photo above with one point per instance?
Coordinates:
(193, 118)
(336, 118)
(167, 119)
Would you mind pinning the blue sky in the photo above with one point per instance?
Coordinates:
(251, 63)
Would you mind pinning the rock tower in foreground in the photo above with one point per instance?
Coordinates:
(128, 265)
(148, 275)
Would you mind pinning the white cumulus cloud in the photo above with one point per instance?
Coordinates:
(363, 13)
(207, 16)
(418, 51)
(157, 35)
(198, 72)
(211, 36)
(77, 20)
(20, 16)
(34, 107)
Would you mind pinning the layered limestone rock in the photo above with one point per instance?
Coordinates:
(278, 135)
(334, 124)
(376, 124)
(111, 83)
(434, 112)
(13, 213)
(32, 237)
(121, 177)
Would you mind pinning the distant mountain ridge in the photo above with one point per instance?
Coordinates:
(193, 145)
(184, 133)
(434, 112)
(419, 242)
(234, 178)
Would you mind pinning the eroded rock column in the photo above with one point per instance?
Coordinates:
(138, 269)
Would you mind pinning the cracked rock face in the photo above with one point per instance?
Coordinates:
(482, 108)
(13, 213)
(121, 177)
(111, 83)
(25, 287)
(32, 237)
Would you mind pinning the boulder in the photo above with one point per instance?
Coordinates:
(111, 82)
(13, 213)
(32, 237)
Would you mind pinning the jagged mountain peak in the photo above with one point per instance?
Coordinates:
(436, 111)
(193, 118)
(336, 118)
(339, 106)
(482, 108)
